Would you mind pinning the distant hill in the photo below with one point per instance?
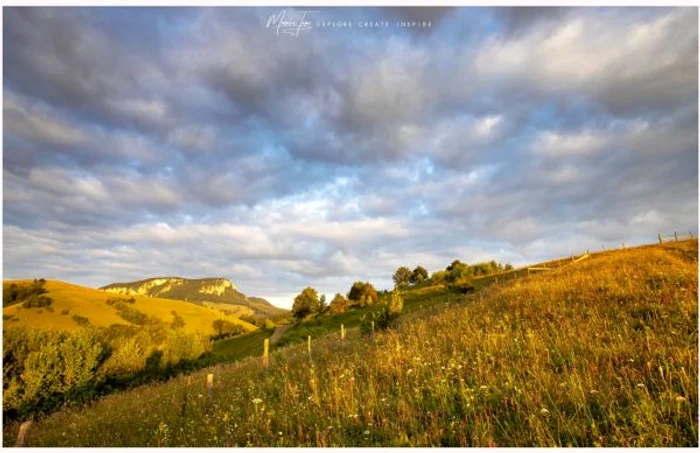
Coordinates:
(210, 290)
(71, 303)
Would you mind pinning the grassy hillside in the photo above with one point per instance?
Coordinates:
(73, 300)
(600, 353)
(217, 290)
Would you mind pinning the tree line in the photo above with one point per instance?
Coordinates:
(457, 275)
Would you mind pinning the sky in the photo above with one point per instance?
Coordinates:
(222, 143)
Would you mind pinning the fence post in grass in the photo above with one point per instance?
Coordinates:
(342, 332)
(675, 235)
(22, 435)
(691, 234)
(623, 246)
(308, 346)
(266, 353)
(373, 331)
(660, 241)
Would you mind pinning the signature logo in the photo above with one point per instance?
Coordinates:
(291, 23)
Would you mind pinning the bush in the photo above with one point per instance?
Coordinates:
(81, 320)
(44, 369)
(225, 329)
(37, 301)
(15, 293)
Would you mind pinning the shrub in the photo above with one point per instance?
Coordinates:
(183, 346)
(37, 301)
(15, 293)
(178, 322)
(225, 329)
(81, 320)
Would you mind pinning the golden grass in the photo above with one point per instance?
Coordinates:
(91, 303)
(603, 353)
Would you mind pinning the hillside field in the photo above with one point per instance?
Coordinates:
(69, 300)
(598, 353)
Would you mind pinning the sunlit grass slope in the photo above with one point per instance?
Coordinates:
(70, 300)
(601, 353)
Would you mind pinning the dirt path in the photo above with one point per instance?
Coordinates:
(279, 331)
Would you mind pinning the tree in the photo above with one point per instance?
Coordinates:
(402, 276)
(418, 275)
(363, 292)
(508, 267)
(322, 302)
(457, 271)
(339, 304)
(306, 303)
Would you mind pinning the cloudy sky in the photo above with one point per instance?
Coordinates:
(201, 142)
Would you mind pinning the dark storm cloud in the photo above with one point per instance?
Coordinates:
(198, 142)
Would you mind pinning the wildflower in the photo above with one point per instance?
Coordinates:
(640, 385)
(483, 387)
(593, 392)
(366, 433)
(257, 401)
(279, 433)
(544, 411)
(680, 399)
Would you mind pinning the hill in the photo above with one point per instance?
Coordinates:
(602, 352)
(216, 290)
(74, 306)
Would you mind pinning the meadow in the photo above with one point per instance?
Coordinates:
(597, 353)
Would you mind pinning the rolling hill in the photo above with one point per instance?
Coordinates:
(73, 302)
(210, 290)
(602, 352)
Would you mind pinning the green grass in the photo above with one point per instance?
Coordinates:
(236, 348)
(421, 298)
(602, 353)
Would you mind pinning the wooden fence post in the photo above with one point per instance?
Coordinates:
(623, 246)
(266, 353)
(691, 234)
(308, 345)
(372, 330)
(675, 235)
(342, 332)
(22, 435)
(660, 241)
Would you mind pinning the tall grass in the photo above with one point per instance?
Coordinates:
(601, 353)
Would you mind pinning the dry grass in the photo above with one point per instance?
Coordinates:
(603, 353)
(91, 303)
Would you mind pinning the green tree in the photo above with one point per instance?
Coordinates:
(306, 303)
(457, 271)
(418, 275)
(339, 304)
(402, 276)
(363, 292)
